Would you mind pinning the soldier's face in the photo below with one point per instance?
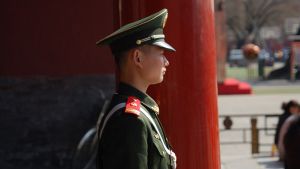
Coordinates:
(154, 64)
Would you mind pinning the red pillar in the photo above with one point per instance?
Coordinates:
(221, 40)
(188, 95)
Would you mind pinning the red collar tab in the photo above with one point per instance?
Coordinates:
(133, 106)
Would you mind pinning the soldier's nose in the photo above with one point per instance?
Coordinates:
(166, 62)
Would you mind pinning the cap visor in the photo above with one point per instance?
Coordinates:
(164, 45)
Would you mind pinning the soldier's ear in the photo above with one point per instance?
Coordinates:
(137, 57)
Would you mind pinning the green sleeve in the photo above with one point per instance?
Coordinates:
(126, 145)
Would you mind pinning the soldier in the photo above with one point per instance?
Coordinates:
(130, 135)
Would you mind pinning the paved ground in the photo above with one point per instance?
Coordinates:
(237, 155)
(254, 104)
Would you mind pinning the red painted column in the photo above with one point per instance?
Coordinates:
(221, 40)
(188, 95)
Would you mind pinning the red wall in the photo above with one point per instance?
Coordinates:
(54, 38)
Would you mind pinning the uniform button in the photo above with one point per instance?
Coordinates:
(156, 136)
(164, 153)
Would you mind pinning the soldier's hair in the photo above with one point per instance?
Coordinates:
(145, 48)
(120, 56)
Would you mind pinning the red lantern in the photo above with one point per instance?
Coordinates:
(251, 51)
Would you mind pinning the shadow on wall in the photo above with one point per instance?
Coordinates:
(42, 119)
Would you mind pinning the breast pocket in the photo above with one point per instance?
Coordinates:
(160, 157)
(158, 145)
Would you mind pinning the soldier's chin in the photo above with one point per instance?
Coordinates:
(158, 81)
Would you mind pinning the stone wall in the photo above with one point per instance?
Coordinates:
(42, 119)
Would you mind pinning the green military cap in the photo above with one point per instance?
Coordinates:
(148, 30)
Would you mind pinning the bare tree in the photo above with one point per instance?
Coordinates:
(245, 18)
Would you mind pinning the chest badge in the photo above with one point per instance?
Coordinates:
(133, 106)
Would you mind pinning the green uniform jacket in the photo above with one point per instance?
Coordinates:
(129, 141)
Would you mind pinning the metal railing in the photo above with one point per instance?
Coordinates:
(255, 131)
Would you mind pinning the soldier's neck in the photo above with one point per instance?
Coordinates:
(138, 84)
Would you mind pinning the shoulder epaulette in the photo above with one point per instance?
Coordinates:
(133, 106)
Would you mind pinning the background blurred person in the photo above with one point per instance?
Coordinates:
(292, 145)
(293, 108)
(287, 112)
